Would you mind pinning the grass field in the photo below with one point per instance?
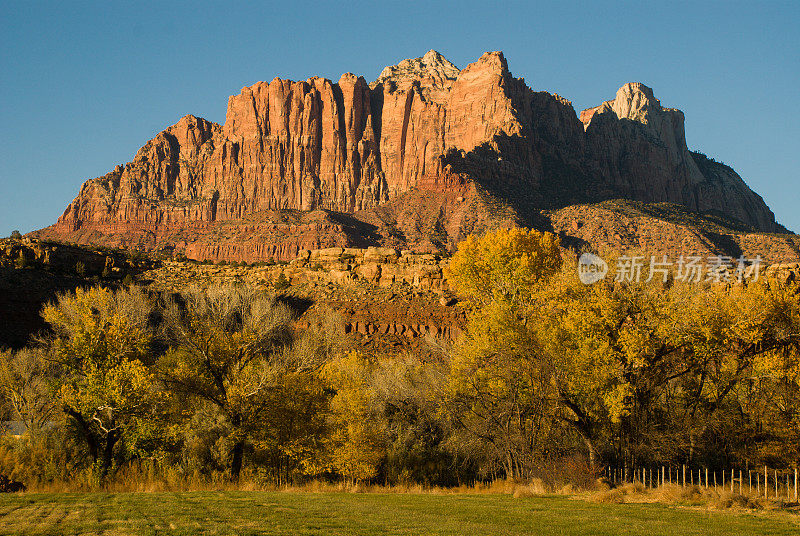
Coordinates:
(248, 513)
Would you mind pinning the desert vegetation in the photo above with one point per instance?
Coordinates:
(552, 383)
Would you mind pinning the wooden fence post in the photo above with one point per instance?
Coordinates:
(706, 477)
(766, 488)
(776, 483)
(733, 477)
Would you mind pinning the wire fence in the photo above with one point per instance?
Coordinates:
(766, 482)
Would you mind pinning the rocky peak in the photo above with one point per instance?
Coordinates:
(635, 101)
(432, 66)
(192, 130)
(495, 61)
(432, 71)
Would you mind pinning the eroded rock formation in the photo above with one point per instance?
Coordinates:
(422, 156)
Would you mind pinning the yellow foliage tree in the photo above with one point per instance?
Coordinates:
(233, 347)
(100, 338)
(355, 445)
(610, 348)
(498, 392)
(505, 264)
(28, 384)
(497, 389)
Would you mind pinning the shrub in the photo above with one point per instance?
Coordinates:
(282, 283)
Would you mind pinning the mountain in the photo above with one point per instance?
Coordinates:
(417, 159)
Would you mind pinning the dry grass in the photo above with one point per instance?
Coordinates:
(687, 496)
(136, 481)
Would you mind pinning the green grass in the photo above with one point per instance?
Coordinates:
(246, 513)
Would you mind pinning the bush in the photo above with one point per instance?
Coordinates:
(282, 283)
(16, 235)
(50, 458)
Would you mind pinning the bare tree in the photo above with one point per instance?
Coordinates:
(28, 385)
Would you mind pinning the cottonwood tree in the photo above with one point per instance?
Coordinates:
(745, 348)
(355, 443)
(233, 347)
(611, 348)
(100, 339)
(497, 390)
(29, 386)
(498, 394)
(504, 265)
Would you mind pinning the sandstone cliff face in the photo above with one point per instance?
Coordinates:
(641, 150)
(352, 148)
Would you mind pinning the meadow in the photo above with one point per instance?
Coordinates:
(331, 513)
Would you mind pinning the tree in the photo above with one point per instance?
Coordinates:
(504, 264)
(101, 340)
(355, 443)
(744, 348)
(498, 394)
(497, 391)
(28, 384)
(232, 347)
(408, 393)
(611, 348)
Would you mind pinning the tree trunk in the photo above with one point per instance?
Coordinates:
(108, 451)
(509, 466)
(584, 428)
(236, 462)
(83, 426)
(592, 452)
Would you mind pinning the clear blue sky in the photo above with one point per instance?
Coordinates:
(84, 85)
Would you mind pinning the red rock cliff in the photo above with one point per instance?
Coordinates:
(351, 147)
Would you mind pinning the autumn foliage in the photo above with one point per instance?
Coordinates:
(551, 379)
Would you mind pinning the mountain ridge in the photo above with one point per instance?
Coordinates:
(424, 134)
